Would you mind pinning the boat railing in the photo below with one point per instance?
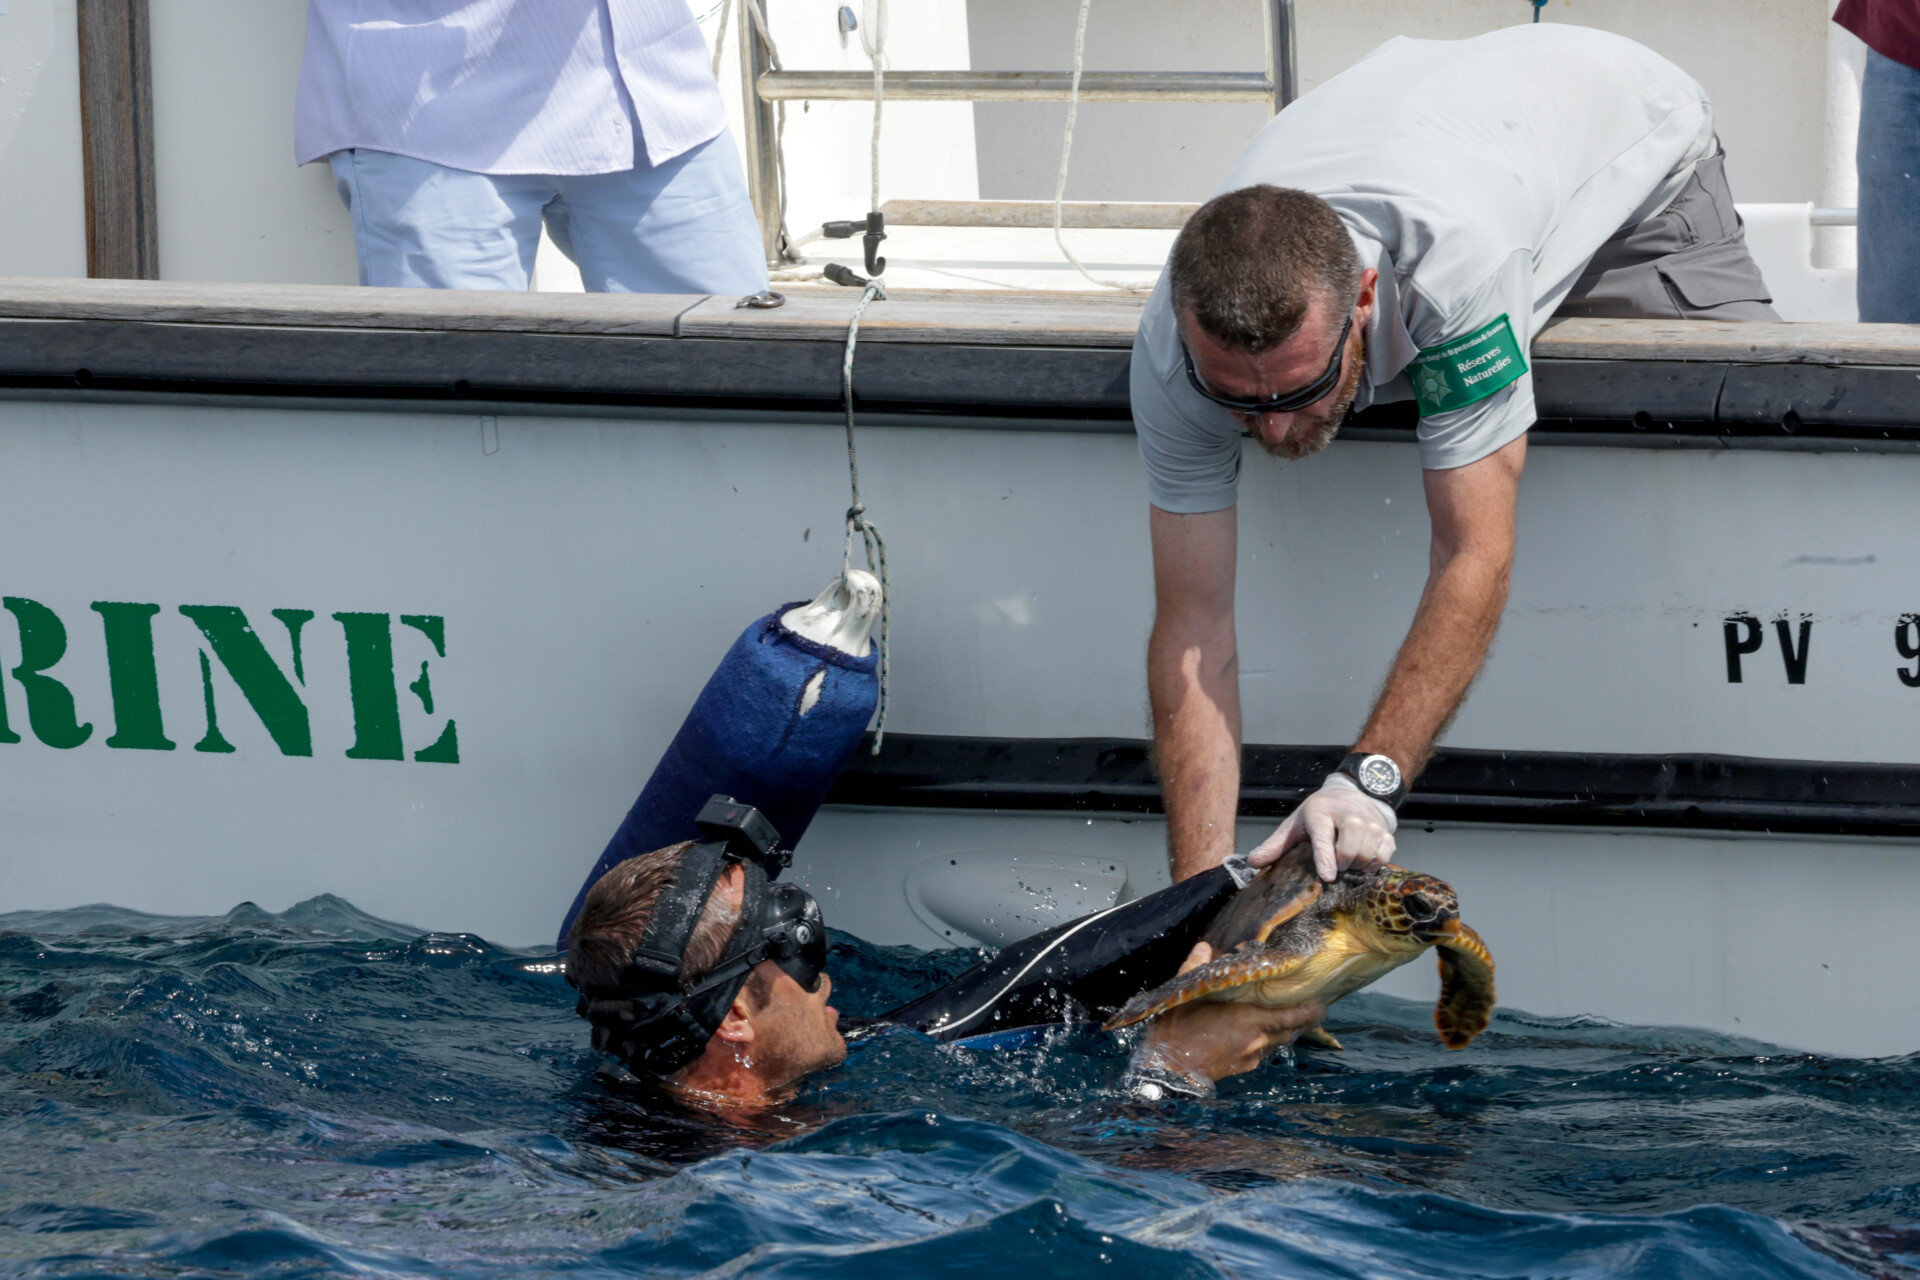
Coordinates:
(1139, 215)
(764, 87)
(1019, 86)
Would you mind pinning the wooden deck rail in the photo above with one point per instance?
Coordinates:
(1056, 356)
(989, 318)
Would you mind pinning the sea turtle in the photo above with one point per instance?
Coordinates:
(1287, 939)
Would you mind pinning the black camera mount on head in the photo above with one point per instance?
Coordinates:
(745, 832)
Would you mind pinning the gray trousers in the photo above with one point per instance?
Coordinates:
(1688, 262)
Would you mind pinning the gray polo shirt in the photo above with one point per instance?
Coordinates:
(1478, 177)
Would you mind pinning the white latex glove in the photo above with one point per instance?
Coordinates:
(1348, 827)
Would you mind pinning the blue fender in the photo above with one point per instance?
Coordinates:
(747, 737)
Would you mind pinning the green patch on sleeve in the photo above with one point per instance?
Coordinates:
(1456, 374)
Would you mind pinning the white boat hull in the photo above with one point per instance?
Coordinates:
(589, 570)
(1797, 942)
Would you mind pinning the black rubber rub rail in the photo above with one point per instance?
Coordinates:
(1637, 401)
(1686, 792)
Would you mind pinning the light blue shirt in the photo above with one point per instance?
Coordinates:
(507, 86)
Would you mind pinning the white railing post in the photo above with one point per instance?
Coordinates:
(1283, 68)
(761, 140)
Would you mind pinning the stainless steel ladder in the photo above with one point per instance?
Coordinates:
(763, 87)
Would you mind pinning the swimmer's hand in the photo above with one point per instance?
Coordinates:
(1348, 828)
(1208, 1040)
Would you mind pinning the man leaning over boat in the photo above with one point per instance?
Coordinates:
(1402, 233)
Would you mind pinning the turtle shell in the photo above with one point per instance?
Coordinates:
(1288, 939)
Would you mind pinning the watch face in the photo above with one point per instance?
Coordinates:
(1379, 775)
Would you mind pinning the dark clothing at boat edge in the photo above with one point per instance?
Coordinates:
(1080, 971)
(1891, 28)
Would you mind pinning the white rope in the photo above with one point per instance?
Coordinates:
(873, 38)
(759, 17)
(720, 36)
(1066, 151)
(857, 522)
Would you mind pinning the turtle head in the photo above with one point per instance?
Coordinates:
(1409, 910)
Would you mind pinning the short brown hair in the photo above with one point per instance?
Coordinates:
(613, 920)
(1249, 263)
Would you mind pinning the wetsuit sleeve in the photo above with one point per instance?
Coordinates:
(1081, 971)
(1191, 449)
(1473, 378)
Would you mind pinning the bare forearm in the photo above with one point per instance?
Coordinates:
(1195, 691)
(1456, 621)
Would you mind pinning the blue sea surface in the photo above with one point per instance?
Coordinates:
(320, 1093)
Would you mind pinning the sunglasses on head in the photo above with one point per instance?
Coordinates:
(1312, 393)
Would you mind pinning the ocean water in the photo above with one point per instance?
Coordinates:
(320, 1093)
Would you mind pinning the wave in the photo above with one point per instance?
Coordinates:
(320, 1092)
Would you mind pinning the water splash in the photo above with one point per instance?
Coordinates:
(319, 1092)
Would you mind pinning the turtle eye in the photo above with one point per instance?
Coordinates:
(1420, 908)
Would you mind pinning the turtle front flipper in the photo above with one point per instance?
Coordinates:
(1321, 1038)
(1236, 969)
(1466, 987)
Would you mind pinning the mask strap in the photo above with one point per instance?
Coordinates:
(657, 960)
(696, 1017)
(656, 1024)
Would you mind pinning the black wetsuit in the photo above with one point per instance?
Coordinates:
(1081, 971)
(1078, 972)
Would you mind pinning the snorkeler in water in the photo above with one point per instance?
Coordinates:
(703, 973)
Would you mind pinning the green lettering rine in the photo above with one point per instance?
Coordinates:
(264, 685)
(376, 697)
(7, 735)
(43, 642)
(213, 740)
(446, 748)
(133, 676)
(1466, 370)
(376, 704)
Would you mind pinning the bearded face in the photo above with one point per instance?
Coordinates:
(1313, 429)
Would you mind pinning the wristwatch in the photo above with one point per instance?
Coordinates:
(1378, 777)
(1151, 1082)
